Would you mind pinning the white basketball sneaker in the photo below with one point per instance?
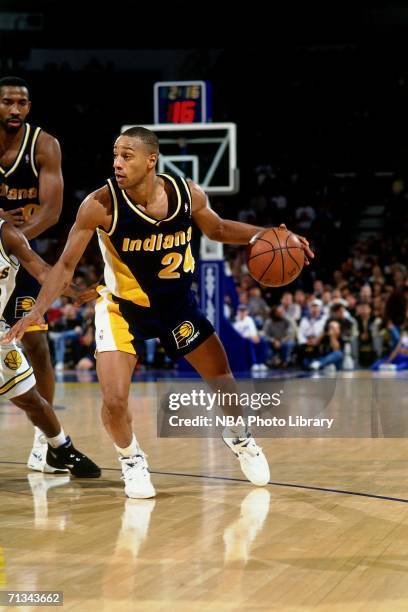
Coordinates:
(37, 459)
(136, 475)
(251, 458)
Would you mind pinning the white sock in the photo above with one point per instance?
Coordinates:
(58, 440)
(39, 436)
(131, 450)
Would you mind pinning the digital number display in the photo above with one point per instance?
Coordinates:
(182, 102)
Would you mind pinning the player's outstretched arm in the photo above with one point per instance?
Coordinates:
(225, 230)
(17, 244)
(91, 214)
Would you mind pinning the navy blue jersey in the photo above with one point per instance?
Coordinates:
(149, 262)
(19, 188)
(19, 185)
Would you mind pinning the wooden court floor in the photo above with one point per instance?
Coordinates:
(330, 533)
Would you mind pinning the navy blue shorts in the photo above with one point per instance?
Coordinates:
(121, 325)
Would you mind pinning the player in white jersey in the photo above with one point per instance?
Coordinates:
(17, 380)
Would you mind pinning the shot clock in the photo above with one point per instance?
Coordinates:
(182, 102)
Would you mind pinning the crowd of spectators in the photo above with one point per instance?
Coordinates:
(358, 318)
(318, 322)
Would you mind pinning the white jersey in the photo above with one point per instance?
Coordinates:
(9, 266)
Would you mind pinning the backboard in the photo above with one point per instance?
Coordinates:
(203, 152)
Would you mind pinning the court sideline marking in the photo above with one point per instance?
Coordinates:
(275, 484)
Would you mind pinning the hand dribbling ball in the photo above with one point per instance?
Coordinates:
(275, 257)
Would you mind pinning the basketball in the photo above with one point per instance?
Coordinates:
(275, 257)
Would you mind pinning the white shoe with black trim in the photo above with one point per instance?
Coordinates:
(136, 475)
(251, 458)
(37, 459)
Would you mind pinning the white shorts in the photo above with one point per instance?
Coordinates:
(16, 374)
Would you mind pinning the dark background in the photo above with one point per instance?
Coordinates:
(319, 95)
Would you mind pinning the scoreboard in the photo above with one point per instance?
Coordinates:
(182, 102)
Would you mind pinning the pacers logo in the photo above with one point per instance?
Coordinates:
(13, 360)
(182, 333)
(23, 306)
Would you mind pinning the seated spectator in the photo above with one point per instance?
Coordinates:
(326, 300)
(398, 359)
(339, 281)
(366, 294)
(87, 345)
(366, 335)
(377, 276)
(336, 296)
(378, 306)
(291, 310)
(318, 288)
(348, 325)
(399, 275)
(257, 306)
(67, 327)
(280, 333)
(243, 297)
(245, 326)
(330, 348)
(351, 304)
(300, 300)
(310, 330)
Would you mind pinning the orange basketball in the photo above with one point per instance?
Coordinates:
(275, 257)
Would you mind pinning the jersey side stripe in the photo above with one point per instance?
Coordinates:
(187, 188)
(119, 279)
(32, 150)
(115, 209)
(109, 322)
(21, 152)
(176, 187)
(102, 320)
(120, 329)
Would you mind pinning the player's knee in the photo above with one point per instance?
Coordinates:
(115, 405)
(30, 401)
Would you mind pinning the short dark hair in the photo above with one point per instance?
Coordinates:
(13, 81)
(148, 137)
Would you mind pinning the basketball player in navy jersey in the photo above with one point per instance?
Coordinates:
(143, 221)
(31, 188)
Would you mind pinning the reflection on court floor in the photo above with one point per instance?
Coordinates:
(329, 533)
